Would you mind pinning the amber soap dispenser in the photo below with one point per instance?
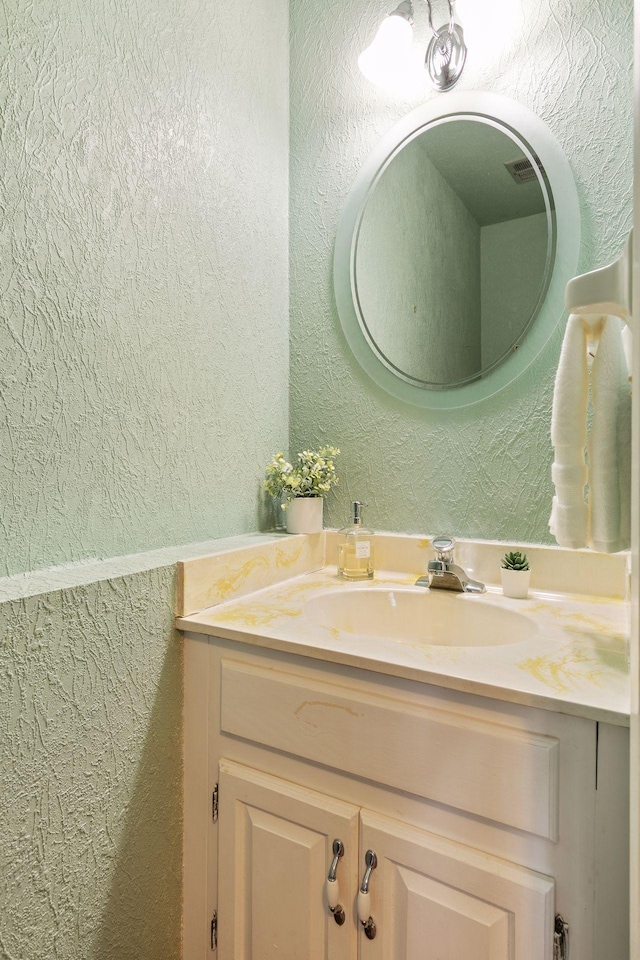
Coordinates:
(355, 548)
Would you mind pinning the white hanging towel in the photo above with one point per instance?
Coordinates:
(601, 520)
(569, 521)
(609, 448)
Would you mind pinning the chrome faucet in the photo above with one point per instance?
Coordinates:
(444, 574)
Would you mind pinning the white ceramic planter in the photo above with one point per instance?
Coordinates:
(304, 515)
(515, 583)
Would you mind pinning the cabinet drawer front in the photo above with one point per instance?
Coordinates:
(493, 770)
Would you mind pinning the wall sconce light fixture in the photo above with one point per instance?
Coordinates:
(387, 57)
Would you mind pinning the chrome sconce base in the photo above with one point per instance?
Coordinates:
(446, 55)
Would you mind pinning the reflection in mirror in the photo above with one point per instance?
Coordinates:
(454, 252)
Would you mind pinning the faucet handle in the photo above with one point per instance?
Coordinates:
(444, 548)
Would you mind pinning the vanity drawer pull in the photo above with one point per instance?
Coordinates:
(332, 887)
(364, 897)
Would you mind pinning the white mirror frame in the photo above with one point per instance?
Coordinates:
(527, 127)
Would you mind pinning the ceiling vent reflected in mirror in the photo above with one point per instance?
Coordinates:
(523, 171)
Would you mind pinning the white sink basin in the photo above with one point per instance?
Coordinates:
(419, 616)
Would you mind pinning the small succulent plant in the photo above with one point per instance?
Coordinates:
(515, 560)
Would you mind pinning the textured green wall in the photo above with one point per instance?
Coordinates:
(90, 763)
(485, 470)
(143, 386)
(143, 270)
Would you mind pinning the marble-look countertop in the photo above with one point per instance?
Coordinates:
(577, 663)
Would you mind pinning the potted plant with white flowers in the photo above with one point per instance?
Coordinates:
(516, 573)
(302, 486)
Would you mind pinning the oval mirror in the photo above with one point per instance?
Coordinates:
(453, 250)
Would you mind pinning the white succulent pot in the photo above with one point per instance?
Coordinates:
(304, 515)
(515, 583)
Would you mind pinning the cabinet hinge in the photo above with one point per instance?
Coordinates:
(214, 931)
(214, 804)
(560, 939)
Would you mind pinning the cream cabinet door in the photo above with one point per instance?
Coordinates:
(275, 851)
(434, 899)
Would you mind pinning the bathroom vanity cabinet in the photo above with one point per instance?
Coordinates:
(487, 818)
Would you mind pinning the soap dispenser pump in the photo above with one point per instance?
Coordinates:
(355, 547)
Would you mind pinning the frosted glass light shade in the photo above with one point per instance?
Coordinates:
(385, 60)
